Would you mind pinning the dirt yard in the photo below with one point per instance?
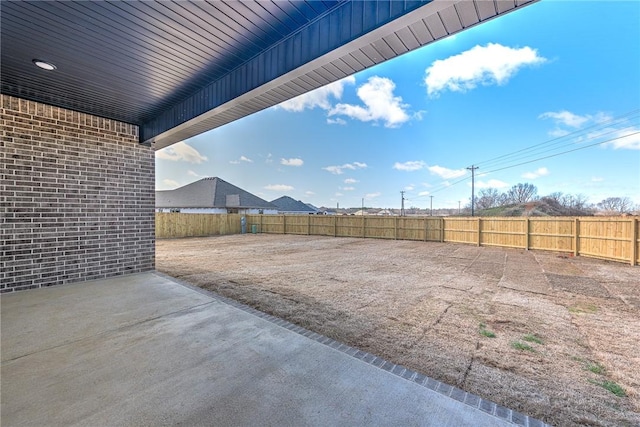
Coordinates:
(551, 336)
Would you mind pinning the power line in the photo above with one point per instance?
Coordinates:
(567, 144)
(570, 136)
(565, 152)
(449, 185)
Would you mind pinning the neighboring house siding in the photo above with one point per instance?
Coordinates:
(77, 197)
(218, 211)
(296, 213)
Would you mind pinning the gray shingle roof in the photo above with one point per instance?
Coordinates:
(287, 204)
(210, 193)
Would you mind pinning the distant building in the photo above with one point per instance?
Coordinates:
(288, 205)
(385, 212)
(212, 196)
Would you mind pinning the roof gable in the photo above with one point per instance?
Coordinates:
(288, 204)
(210, 193)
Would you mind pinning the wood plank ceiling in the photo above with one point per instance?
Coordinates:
(179, 68)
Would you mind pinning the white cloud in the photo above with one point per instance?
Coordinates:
(597, 179)
(181, 152)
(339, 194)
(318, 97)
(292, 162)
(536, 174)
(309, 193)
(566, 118)
(240, 160)
(480, 65)
(447, 173)
(269, 158)
(339, 170)
(350, 181)
(348, 188)
(558, 133)
(170, 183)
(372, 195)
(623, 139)
(278, 187)
(492, 183)
(424, 193)
(567, 122)
(337, 121)
(409, 188)
(379, 104)
(192, 173)
(410, 165)
(616, 135)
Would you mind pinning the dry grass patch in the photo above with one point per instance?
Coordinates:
(452, 312)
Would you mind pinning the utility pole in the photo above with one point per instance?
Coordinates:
(458, 207)
(473, 181)
(362, 210)
(402, 204)
(431, 205)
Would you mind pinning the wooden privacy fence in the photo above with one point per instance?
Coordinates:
(610, 238)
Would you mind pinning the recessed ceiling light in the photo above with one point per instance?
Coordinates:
(44, 65)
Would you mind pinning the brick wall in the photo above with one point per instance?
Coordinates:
(77, 197)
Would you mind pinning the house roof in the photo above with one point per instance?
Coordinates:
(287, 204)
(210, 193)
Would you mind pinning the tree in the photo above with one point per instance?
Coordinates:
(616, 204)
(578, 202)
(488, 198)
(522, 193)
(556, 197)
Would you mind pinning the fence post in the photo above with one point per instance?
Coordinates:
(261, 215)
(634, 240)
(309, 225)
(335, 225)
(284, 224)
(395, 228)
(479, 231)
(363, 229)
(576, 237)
(425, 229)
(527, 229)
(441, 229)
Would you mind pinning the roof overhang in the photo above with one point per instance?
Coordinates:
(177, 68)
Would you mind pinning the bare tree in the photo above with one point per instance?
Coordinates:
(488, 198)
(616, 204)
(557, 197)
(522, 193)
(576, 202)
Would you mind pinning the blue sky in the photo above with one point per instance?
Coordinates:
(553, 77)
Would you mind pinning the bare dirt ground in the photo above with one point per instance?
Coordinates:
(567, 330)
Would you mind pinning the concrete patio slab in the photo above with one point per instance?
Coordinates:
(146, 350)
